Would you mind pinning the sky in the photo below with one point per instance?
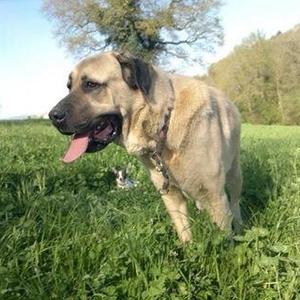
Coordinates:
(34, 68)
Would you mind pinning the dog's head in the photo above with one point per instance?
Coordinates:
(103, 92)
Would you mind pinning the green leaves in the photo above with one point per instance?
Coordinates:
(148, 29)
(251, 235)
(262, 76)
(279, 248)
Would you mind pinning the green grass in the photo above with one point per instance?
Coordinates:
(67, 232)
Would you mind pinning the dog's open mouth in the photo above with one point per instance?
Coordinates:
(102, 132)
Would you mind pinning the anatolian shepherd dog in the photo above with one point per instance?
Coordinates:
(186, 133)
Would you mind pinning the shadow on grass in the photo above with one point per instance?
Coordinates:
(258, 186)
(13, 182)
(21, 194)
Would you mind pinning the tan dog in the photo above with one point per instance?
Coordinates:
(186, 133)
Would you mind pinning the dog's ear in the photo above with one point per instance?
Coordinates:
(136, 73)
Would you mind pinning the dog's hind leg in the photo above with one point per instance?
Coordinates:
(176, 205)
(220, 211)
(234, 186)
(218, 205)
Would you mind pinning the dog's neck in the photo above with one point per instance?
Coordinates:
(149, 124)
(161, 104)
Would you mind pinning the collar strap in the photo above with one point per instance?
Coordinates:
(162, 135)
(157, 153)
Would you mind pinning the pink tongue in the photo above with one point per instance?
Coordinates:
(77, 147)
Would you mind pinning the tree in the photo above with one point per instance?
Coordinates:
(150, 29)
(286, 62)
(246, 77)
(263, 77)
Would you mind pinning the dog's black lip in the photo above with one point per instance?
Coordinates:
(79, 129)
(65, 132)
(86, 127)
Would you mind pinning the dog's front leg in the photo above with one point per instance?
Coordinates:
(174, 200)
(176, 206)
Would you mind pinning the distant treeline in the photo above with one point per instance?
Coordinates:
(25, 122)
(262, 76)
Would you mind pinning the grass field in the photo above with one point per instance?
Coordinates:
(67, 232)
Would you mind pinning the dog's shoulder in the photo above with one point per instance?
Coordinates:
(191, 97)
(198, 103)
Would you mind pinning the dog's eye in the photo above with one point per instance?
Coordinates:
(91, 84)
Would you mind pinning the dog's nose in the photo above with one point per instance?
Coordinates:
(57, 116)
